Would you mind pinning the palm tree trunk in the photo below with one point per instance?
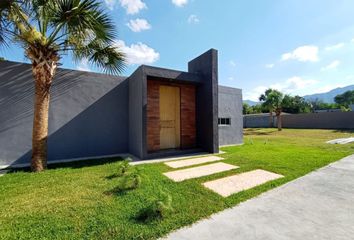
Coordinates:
(271, 119)
(43, 73)
(40, 128)
(279, 123)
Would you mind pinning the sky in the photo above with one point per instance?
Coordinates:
(299, 47)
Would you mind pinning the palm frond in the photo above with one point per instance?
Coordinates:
(104, 56)
(80, 26)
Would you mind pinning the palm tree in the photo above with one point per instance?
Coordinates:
(264, 98)
(48, 29)
(273, 100)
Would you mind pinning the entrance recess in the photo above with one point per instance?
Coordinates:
(169, 117)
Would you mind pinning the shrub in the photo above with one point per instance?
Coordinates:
(123, 168)
(128, 182)
(157, 209)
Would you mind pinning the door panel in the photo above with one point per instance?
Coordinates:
(169, 117)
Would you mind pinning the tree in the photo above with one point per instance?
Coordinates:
(273, 100)
(266, 103)
(317, 104)
(295, 104)
(246, 109)
(345, 99)
(48, 29)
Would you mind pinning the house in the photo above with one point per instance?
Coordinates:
(155, 112)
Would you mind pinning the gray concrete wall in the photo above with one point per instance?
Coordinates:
(326, 120)
(258, 120)
(323, 120)
(136, 109)
(230, 106)
(87, 117)
(207, 100)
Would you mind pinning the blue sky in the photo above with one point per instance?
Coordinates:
(297, 46)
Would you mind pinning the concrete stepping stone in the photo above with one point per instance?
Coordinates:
(195, 172)
(193, 161)
(237, 183)
(341, 140)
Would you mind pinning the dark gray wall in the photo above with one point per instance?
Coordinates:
(230, 106)
(324, 120)
(206, 65)
(258, 120)
(136, 92)
(87, 116)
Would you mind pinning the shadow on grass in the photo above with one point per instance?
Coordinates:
(113, 176)
(258, 131)
(74, 165)
(85, 163)
(117, 192)
(350, 131)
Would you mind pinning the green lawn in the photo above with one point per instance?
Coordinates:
(73, 201)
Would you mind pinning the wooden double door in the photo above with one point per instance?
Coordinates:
(170, 115)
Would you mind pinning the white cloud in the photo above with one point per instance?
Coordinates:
(255, 93)
(270, 65)
(353, 40)
(193, 19)
(131, 6)
(293, 85)
(110, 3)
(83, 65)
(138, 25)
(297, 83)
(138, 53)
(303, 54)
(179, 3)
(334, 47)
(332, 65)
(232, 63)
(231, 78)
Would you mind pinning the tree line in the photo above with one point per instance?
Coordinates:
(274, 101)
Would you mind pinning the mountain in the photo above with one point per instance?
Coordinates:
(250, 102)
(328, 97)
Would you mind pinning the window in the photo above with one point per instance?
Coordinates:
(224, 121)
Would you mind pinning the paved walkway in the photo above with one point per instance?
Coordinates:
(319, 205)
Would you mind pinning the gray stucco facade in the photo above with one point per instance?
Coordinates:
(93, 115)
(230, 106)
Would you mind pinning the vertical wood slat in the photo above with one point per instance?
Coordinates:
(188, 119)
(153, 116)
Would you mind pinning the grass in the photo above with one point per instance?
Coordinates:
(75, 201)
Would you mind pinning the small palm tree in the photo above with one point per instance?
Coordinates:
(47, 29)
(267, 104)
(273, 100)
